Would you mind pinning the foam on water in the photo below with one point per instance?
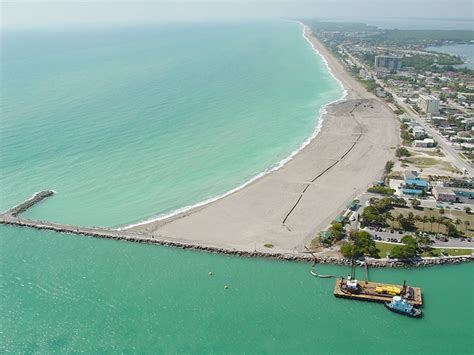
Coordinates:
(129, 125)
(280, 164)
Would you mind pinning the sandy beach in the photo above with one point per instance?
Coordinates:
(288, 207)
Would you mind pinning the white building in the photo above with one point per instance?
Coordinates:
(425, 143)
(404, 118)
(418, 132)
(444, 194)
(429, 104)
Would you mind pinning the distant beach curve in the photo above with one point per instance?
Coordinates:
(353, 144)
(319, 122)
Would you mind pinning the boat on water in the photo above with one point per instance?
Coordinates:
(401, 306)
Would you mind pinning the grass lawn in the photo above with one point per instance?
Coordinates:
(453, 214)
(451, 252)
(385, 247)
(433, 154)
(423, 162)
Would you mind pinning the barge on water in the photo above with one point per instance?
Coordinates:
(376, 292)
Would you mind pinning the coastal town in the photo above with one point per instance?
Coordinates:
(422, 204)
(233, 177)
(397, 187)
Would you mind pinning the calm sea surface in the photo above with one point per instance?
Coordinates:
(68, 293)
(129, 123)
(465, 51)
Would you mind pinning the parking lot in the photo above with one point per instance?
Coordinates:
(385, 235)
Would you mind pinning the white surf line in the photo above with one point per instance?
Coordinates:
(320, 119)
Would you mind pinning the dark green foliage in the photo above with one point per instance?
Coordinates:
(337, 231)
(388, 167)
(376, 213)
(360, 244)
(407, 251)
(383, 190)
(415, 203)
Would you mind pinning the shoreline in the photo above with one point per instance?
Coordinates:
(104, 233)
(274, 167)
(338, 161)
(350, 148)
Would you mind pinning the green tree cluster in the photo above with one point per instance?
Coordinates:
(337, 231)
(360, 244)
(415, 203)
(408, 250)
(377, 212)
(383, 190)
(388, 167)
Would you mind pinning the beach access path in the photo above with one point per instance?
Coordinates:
(288, 207)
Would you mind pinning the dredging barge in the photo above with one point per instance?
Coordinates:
(376, 292)
(370, 291)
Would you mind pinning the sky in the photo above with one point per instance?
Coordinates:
(31, 14)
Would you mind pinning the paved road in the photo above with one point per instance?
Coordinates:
(451, 152)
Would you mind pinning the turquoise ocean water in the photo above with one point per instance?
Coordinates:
(133, 122)
(68, 293)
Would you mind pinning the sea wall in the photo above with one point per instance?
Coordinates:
(142, 238)
(33, 200)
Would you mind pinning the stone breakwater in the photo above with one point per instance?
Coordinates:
(142, 238)
(10, 217)
(33, 200)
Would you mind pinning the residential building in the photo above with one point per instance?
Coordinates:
(414, 187)
(425, 143)
(418, 132)
(389, 63)
(404, 118)
(469, 193)
(429, 104)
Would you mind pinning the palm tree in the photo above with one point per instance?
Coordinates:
(448, 223)
(432, 220)
(389, 216)
(418, 218)
(425, 219)
(399, 220)
(440, 220)
(466, 225)
(457, 222)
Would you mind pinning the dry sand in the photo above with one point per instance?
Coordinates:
(288, 207)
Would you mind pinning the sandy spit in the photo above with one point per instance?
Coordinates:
(289, 206)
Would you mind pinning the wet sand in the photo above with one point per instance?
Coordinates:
(288, 207)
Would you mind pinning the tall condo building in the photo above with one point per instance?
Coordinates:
(389, 63)
(429, 104)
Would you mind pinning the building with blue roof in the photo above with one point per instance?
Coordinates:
(418, 184)
(412, 192)
(414, 187)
